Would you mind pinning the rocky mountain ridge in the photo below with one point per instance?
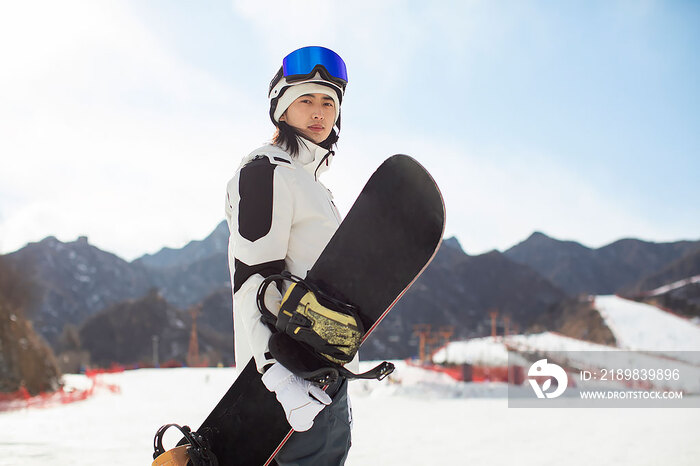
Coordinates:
(78, 281)
(612, 268)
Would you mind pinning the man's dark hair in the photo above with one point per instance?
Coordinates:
(286, 137)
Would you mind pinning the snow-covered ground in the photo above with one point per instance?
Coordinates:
(636, 326)
(647, 337)
(486, 351)
(417, 418)
(576, 354)
(639, 326)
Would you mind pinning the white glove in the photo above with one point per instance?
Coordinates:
(301, 399)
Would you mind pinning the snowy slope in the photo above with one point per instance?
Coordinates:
(415, 382)
(551, 341)
(673, 286)
(486, 351)
(489, 351)
(407, 422)
(575, 354)
(578, 354)
(643, 327)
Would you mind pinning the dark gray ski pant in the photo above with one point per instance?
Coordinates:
(327, 442)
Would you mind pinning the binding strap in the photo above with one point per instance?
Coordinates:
(329, 375)
(197, 448)
(269, 318)
(331, 327)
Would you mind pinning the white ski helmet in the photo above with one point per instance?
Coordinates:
(307, 70)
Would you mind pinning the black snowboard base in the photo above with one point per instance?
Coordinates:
(387, 239)
(247, 407)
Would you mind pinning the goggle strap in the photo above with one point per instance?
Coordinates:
(276, 79)
(321, 70)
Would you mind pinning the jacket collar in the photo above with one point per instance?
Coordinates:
(313, 157)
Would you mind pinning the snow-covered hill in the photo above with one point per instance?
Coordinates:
(636, 327)
(647, 337)
(643, 327)
(523, 350)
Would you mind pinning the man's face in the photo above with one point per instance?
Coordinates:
(312, 115)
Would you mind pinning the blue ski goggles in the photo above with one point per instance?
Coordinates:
(305, 62)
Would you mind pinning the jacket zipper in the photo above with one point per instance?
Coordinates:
(325, 157)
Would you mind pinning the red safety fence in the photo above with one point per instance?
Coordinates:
(113, 369)
(474, 373)
(22, 399)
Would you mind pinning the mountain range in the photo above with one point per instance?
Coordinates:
(82, 286)
(619, 266)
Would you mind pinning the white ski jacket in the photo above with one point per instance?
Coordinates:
(280, 217)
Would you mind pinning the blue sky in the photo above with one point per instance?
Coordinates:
(578, 119)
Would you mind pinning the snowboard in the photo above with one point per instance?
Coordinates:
(387, 239)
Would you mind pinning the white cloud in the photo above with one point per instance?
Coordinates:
(108, 133)
(493, 199)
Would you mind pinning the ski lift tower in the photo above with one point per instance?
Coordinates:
(423, 332)
(494, 315)
(193, 350)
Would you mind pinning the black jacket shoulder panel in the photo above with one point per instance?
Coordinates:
(255, 188)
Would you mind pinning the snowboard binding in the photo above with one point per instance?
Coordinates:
(196, 452)
(315, 333)
(328, 325)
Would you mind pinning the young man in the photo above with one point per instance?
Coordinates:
(281, 217)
